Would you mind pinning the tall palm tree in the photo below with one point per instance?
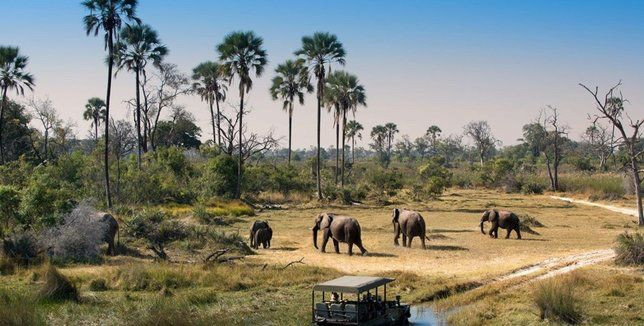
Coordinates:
(392, 129)
(354, 129)
(291, 81)
(12, 76)
(241, 54)
(95, 112)
(138, 45)
(345, 90)
(108, 16)
(319, 50)
(333, 101)
(210, 84)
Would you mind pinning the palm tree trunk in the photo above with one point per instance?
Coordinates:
(218, 122)
(290, 128)
(138, 119)
(96, 128)
(344, 127)
(145, 119)
(107, 118)
(2, 109)
(241, 131)
(353, 149)
(212, 122)
(319, 181)
(337, 149)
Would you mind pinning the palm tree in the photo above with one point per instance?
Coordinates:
(241, 53)
(345, 91)
(354, 129)
(108, 15)
(12, 76)
(95, 112)
(138, 45)
(292, 81)
(334, 101)
(319, 50)
(392, 129)
(209, 83)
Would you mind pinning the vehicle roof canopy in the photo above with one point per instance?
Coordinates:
(352, 284)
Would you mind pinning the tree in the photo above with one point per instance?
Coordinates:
(433, 132)
(392, 130)
(123, 142)
(344, 93)
(422, 146)
(95, 112)
(601, 142)
(241, 54)
(611, 108)
(138, 45)
(354, 129)
(319, 50)
(45, 113)
(20, 138)
(291, 81)
(209, 83)
(107, 16)
(379, 135)
(481, 134)
(405, 149)
(180, 131)
(12, 77)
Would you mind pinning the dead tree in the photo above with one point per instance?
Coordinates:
(611, 107)
(481, 134)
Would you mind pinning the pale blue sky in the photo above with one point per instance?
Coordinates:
(422, 62)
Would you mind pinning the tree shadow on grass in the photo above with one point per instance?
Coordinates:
(380, 254)
(446, 248)
(451, 230)
(285, 248)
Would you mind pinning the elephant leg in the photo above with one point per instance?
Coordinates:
(411, 237)
(336, 245)
(404, 240)
(507, 235)
(518, 229)
(350, 248)
(422, 241)
(363, 251)
(110, 248)
(325, 239)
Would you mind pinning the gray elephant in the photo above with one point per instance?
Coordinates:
(501, 219)
(410, 224)
(340, 229)
(110, 231)
(257, 225)
(263, 237)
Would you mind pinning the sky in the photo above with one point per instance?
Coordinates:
(422, 62)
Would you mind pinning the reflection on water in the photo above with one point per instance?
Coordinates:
(426, 315)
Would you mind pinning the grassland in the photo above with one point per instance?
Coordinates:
(259, 290)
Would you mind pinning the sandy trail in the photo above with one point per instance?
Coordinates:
(623, 210)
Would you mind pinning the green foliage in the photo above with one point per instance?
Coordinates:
(57, 287)
(630, 249)
(556, 300)
(157, 229)
(533, 188)
(384, 181)
(284, 179)
(435, 177)
(219, 177)
(98, 285)
(18, 309)
(7, 266)
(9, 204)
(582, 164)
(22, 247)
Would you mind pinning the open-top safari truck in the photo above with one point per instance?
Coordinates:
(355, 300)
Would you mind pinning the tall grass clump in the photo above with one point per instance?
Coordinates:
(57, 287)
(556, 300)
(596, 186)
(630, 249)
(164, 311)
(531, 221)
(18, 309)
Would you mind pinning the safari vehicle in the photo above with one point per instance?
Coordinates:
(364, 306)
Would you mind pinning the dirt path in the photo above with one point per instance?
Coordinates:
(623, 210)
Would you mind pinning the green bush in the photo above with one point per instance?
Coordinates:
(219, 177)
(9, 205)
(630, 249)
(556, 301)
(435, 178)
(384, 181)
(23, 248)
(17, 309)
(157, 229)
(47, 198)
(532, 188)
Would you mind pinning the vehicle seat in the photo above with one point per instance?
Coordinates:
(351, 312)
(321, 310)
(336, 310)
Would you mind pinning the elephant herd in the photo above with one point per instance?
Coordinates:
(410, 224)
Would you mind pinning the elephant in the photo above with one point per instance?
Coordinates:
(263, 237)
(340, 229)
(501, 219)
(257, 225)
(411, 224)
(110, 231)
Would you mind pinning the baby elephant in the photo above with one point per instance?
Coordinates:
(501, 219)
(410, 224)
(258, 225)
(263, 237)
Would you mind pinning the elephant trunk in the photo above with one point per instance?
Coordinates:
(482, 231)
(315, 238)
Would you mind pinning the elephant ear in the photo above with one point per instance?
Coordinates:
(396, 214)
(326, 221)
(494, 215)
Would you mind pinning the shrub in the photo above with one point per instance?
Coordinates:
(9, 204)
(435, 177)
(23, 248)
(151, 278)
(630, 249)
(556, 300)
(57, 287)
(16, 309)
(164, 311)
(157, 229)
(219, 177)
(530, 220)
(386, 181)
(46, 198)
(7, 267)
(77, 239)
(532, 188)
(98, 284)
